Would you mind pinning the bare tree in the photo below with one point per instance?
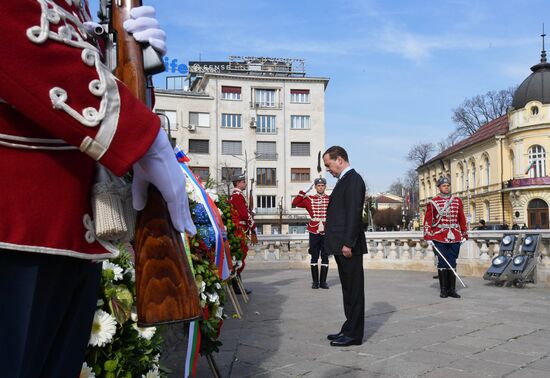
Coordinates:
(448, 142)
(397, 188)
(477, 111)
(420, 153)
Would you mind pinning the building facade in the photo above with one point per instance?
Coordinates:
(261, 116)
(500, 172)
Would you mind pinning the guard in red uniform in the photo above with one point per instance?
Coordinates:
(61, 111)
(316, 205)
(445, 227)
(246, 220)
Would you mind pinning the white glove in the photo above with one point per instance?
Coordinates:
(145, 28)
(307, 188)
(159, 167)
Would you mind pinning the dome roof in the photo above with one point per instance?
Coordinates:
(536, 86)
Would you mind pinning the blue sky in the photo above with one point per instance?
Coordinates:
(396, 68)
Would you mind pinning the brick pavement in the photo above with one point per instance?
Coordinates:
(409, 331)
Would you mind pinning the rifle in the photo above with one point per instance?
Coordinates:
(165, 284)
(253, 236)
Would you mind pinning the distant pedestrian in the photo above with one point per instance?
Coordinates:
(316, 205)
(345, 240)
(445, 227)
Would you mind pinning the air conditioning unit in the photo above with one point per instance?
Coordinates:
(192, 127)
(253, 122)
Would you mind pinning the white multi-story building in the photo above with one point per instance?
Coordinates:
(256, 115)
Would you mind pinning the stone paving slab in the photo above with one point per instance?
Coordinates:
(409, 331)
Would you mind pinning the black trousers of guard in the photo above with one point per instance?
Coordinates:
(47, 309)
(350, 270)
(317, 247)
(450, 251)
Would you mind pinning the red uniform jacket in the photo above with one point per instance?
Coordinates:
(444, 220)
(61, 110)
(316, 205)
(246, 222)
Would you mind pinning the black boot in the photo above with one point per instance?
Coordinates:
(323, 279)
(237, 289)
(451, 284)
(314, 276)
(442, 283)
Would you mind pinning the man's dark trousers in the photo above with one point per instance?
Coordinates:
(350, 270)
(53, 300)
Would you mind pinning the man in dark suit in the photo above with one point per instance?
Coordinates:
(345, 239)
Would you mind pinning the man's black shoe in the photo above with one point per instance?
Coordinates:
(345, 341)
(238, 291)
(335, 336)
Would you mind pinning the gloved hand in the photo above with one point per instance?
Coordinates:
(307, 188)
(145, 28)
(159, 167)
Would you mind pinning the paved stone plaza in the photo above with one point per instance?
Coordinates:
(409, 331)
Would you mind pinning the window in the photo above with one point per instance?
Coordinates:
(487, 211)
(297, 229)
(299, 149)
(266, 176)
(265, 202)
(171, 115)
(487, 171)
(537, 161)
(299, 122)
(264, 98)
(231, 93)
(461, 169)
(266, 124)
(472, 184)
(232, 147)
(231, 121)
(201, 172)
(199, 119)
(266, 150)
(299, 175)
(299, 96)
(229, 172)
(198, 146)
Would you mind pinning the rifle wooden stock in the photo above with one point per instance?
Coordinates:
(166, 289)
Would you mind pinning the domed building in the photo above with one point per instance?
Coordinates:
(500, 172)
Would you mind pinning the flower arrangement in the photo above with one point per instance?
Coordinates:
(117, 346)
(212, 295)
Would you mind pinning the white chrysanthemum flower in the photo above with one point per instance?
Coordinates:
(212, 193)
(153, 373)
(219, 312)
(146, 333)
(203, 296)
(203, 286)
(86, 371)
(217, 285)
(213, 297)
(117, 270)
(103, 329)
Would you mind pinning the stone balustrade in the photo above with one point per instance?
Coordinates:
(403, 250)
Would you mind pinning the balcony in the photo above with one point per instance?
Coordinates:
(267, 156)
(531, 181)
(266, 105)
